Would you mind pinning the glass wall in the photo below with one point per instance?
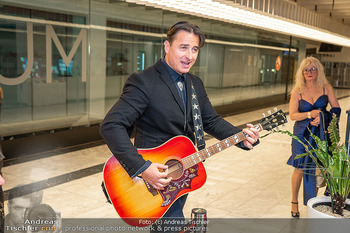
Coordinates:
(64, 64)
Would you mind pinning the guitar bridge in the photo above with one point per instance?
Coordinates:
(150, 188)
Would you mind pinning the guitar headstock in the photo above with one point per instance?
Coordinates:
(273, 120)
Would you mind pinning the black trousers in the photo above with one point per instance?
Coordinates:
(174, 213)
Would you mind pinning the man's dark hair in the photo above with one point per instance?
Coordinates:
(188, 27)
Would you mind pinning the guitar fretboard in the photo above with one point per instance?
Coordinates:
(200, 156)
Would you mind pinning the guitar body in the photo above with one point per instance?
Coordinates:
(138, 203)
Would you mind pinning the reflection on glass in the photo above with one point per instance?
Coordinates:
(236, 64)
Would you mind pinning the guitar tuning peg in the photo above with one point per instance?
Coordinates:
(264, 114)
(269, 112)
(275, 109)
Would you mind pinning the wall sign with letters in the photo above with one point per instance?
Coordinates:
(50, 36)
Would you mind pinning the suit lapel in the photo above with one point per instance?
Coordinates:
(165, 76)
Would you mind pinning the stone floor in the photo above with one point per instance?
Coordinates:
(241, 184)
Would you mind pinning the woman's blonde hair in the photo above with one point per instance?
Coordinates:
(299, 81)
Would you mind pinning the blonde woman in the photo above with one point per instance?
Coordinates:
(311, 94)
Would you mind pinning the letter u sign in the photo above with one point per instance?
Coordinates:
(50, 36)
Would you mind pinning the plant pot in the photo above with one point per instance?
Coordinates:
(318, 222)
(312, 213)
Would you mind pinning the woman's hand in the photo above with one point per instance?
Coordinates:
(315, 114)
(316, 121)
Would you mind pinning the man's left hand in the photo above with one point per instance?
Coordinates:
(252, 136)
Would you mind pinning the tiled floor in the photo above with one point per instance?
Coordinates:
(240, 184)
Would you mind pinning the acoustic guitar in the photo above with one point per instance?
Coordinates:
(138, 203)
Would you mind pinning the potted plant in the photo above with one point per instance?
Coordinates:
(333, 162)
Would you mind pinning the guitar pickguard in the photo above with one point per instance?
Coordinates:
(175, 186)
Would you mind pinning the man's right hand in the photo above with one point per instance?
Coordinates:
(156, 175)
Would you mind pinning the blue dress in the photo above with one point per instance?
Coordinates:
(300, 130)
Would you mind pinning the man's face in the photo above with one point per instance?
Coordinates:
(182, 53)
(17, 209)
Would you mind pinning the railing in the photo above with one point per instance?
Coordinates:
(293, 11)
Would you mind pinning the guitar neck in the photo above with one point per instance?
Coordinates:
(200, 156)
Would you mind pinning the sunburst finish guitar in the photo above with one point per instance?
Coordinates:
(138, 203)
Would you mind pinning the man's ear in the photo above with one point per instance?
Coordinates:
(166, 46)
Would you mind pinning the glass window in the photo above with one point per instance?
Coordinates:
(78, 79)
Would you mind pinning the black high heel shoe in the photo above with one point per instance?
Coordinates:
(295, 214)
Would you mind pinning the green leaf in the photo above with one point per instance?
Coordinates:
(335, 166)
(333, 133)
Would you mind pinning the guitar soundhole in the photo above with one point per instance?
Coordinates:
(175, 169)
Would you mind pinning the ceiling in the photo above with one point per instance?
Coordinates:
(338, 10)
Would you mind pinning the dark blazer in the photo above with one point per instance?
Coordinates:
(151, 103)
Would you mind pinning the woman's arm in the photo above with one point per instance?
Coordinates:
(333, 101)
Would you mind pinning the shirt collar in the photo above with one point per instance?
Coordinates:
(173, 74)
